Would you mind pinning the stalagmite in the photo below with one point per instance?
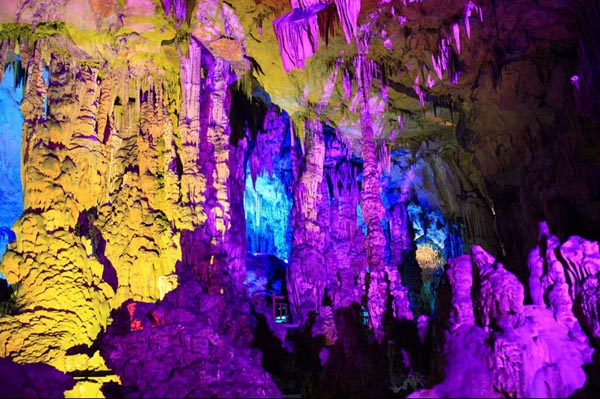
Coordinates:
(382, 276)
(522, 350)
(307, 269)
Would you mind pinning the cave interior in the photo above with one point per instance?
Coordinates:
(303, 198)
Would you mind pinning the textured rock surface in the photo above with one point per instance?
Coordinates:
(308, 272)
(564, 277)
(509, 347)
(155, 117)
(117, 194)
(191, 344)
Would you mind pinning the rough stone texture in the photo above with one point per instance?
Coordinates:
(508, 347)
(565, 279)
(209, 183)
(498, 294)
(133, 178)
(111, 209)
(307, 270)
(66, 290)
(460, 305)
(191, 344)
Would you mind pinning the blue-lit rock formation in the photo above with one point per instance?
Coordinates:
(267, 197)
(11, 120)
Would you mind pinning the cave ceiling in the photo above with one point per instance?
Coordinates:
(404, 40)
(477, 87)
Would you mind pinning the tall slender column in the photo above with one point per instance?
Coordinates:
(382, 276)
(307, 270)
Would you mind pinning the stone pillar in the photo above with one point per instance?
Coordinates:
(63, 297)
(193, 184)
(382, 276)
(206, 164)
(307, 276)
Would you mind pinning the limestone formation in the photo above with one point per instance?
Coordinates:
(307, 272)
(318, 198)
(191, 344)
(512, 348)
(565, 279)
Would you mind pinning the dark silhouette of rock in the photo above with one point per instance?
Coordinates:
(33, 380)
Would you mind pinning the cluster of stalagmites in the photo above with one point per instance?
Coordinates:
(494, 345)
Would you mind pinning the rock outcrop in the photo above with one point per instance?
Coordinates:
(191, 344)
(510, 348)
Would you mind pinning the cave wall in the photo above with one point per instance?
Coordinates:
(534, 150)
(128, 178)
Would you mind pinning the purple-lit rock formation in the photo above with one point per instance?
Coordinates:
(191, 344)
(564, 277)
(35, 380)
(317, 198)
(508, 347)
(308, 276)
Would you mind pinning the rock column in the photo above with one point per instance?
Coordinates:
(382, 276)
(307, 269)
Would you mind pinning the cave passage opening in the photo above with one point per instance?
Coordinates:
(268, 213)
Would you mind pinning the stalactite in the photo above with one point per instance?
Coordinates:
(4, 46)
(329, 86)
(348, 11)
(456, 36)
(328, 22)
(384, 158)
(419, 91)
(469, 8)
(298, 36)
(347, 85)
(441, 61)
